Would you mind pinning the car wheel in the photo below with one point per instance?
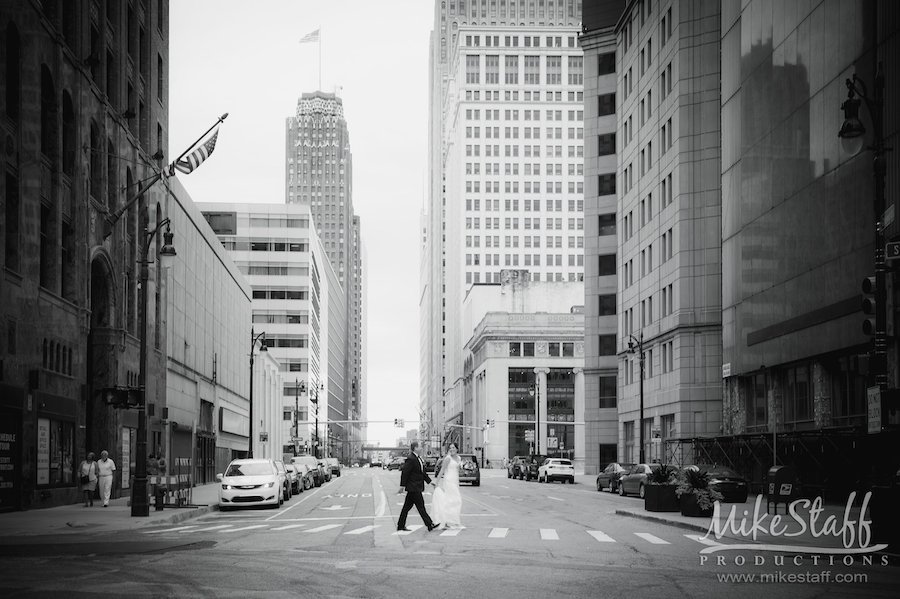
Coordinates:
(599, 486)
(641, 491)
(609, 487)
(621, 490)
(477, 483)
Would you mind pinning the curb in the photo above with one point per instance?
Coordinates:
(679, 524)
(181, 517)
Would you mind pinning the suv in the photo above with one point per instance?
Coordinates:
(468, 469)
(286, 489)
(516, 467)
(560, 469)
(533, 462)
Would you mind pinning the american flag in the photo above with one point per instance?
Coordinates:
(196, 158)
(310, 37)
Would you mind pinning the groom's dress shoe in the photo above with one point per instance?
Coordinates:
(402, 529)
(433, 526)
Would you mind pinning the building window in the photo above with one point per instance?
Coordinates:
(606, 184)
(607, 345)
(576, 70)
(607, 391)
(756, 408)
(606, 144)
(798, 397)
(606, 104)
(11, 223)
(55, 453)
(473, 68)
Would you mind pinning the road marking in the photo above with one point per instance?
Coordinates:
(549, 534)
(452, 532)
(555, 498)
(207, 529)
(288, 526)
(498, 533)
(246, 528)
(335, 507)
(359, 531)
(321, 528)
(601, 536)
(153, 532)
(412, 528)
(700, 539)
(652, 539)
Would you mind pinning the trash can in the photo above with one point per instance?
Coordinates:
(782, 486)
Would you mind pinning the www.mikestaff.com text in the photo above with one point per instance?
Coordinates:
(794, 577)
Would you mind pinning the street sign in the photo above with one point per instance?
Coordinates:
(296, 438)
(892, 250)
(263, 437)
(873, 395)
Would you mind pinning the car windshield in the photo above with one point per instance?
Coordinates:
(253, 469)
(723, 472)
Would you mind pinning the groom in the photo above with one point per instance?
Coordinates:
(412, 479)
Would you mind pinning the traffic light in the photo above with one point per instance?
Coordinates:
(125, 397)
(492, 423)
(487, 424)
(868, 304)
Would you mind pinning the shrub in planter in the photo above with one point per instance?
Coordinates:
(659, 495)
(694, 493)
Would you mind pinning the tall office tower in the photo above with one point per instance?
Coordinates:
(319, 174)
(669, 225)
(506, 148)
(601, 367)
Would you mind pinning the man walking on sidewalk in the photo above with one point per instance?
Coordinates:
(105, 469)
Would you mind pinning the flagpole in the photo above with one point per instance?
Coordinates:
(320, 58)
(191, 147)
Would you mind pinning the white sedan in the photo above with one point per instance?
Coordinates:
(559, 469)
(250, 482)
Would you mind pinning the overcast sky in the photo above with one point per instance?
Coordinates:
(244, 58)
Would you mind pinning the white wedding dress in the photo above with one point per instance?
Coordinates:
(446, 502)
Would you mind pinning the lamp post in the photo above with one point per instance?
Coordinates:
(253, 339)
(140, 504)
(299, 388)
(852, 136)
(637, 344)
(314, 398)
(535, 392)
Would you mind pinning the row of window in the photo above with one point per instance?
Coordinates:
(527, 260)
(574, 224)
(265, 246)
(576, 151)
(475, 277)
(531, 74)
(528, 41)
(517, 9)
(528, 168)
(527, 187)
(529, 205)
(474, 114)
(527, 133)
(554, 348)
(666, 304)
(474, 95)
(284, 293)
(528, 241)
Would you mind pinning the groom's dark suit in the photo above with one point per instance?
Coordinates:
(413, 477)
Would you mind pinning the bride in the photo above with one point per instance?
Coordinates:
(446, 502)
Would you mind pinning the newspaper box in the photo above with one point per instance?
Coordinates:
(782, 486)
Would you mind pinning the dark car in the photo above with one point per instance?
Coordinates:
(430, 463)
(312, 464)
(609, 477)
(296, 480)
(396, 463)
(532, 464)
(468, 469)
(635, 480)
(516, 467)
(733, 487)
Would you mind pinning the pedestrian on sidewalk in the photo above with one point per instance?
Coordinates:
(106, 467)
(87, 477)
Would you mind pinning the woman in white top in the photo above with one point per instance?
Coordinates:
(105, 469)
(88, 468)
(447, 502)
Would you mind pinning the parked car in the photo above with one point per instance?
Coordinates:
(733, 487)
(468, 469)
(250, 482)
(532, 464)
(609, 477)
(560, 469)
(635, 480)
(395, 463)
(295, 477)
(430, 463)
(318, 477)
(326, 469)
(516, 467)
(376, 465)
(286, 480)
(335, 466)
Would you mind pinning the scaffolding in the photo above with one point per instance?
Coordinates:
(830, 462)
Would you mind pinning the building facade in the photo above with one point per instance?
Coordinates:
(84, 103)
(506, 148)
(669, 225)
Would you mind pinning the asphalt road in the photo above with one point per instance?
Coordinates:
(522, 540)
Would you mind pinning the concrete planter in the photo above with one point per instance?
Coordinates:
(660, 498)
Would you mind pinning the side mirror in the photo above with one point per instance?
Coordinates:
(219, 477)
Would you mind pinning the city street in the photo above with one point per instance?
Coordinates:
(521, 539)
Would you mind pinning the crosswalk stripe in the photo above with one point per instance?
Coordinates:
(359, 531)
(700, 539)
(153, 532)
(206, 529)
(451, 532)
(246, 528)
(498, 533)
(549, 534)
(652, 539)
(412, 528)
(601, 536)
(289, 526)
(321, 528)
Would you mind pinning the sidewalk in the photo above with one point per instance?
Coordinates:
(76, 519)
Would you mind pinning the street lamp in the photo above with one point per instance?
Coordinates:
(262, 347)
(314, 398)
(535, 392)
(140, 505)
(852, 136)
(637, 344)
(300, 387)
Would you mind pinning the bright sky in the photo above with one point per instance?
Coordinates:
(245, 59)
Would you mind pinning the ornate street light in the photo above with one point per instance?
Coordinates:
(636, 344)
(253, 339)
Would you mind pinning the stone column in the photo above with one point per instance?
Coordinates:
(579, 417)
